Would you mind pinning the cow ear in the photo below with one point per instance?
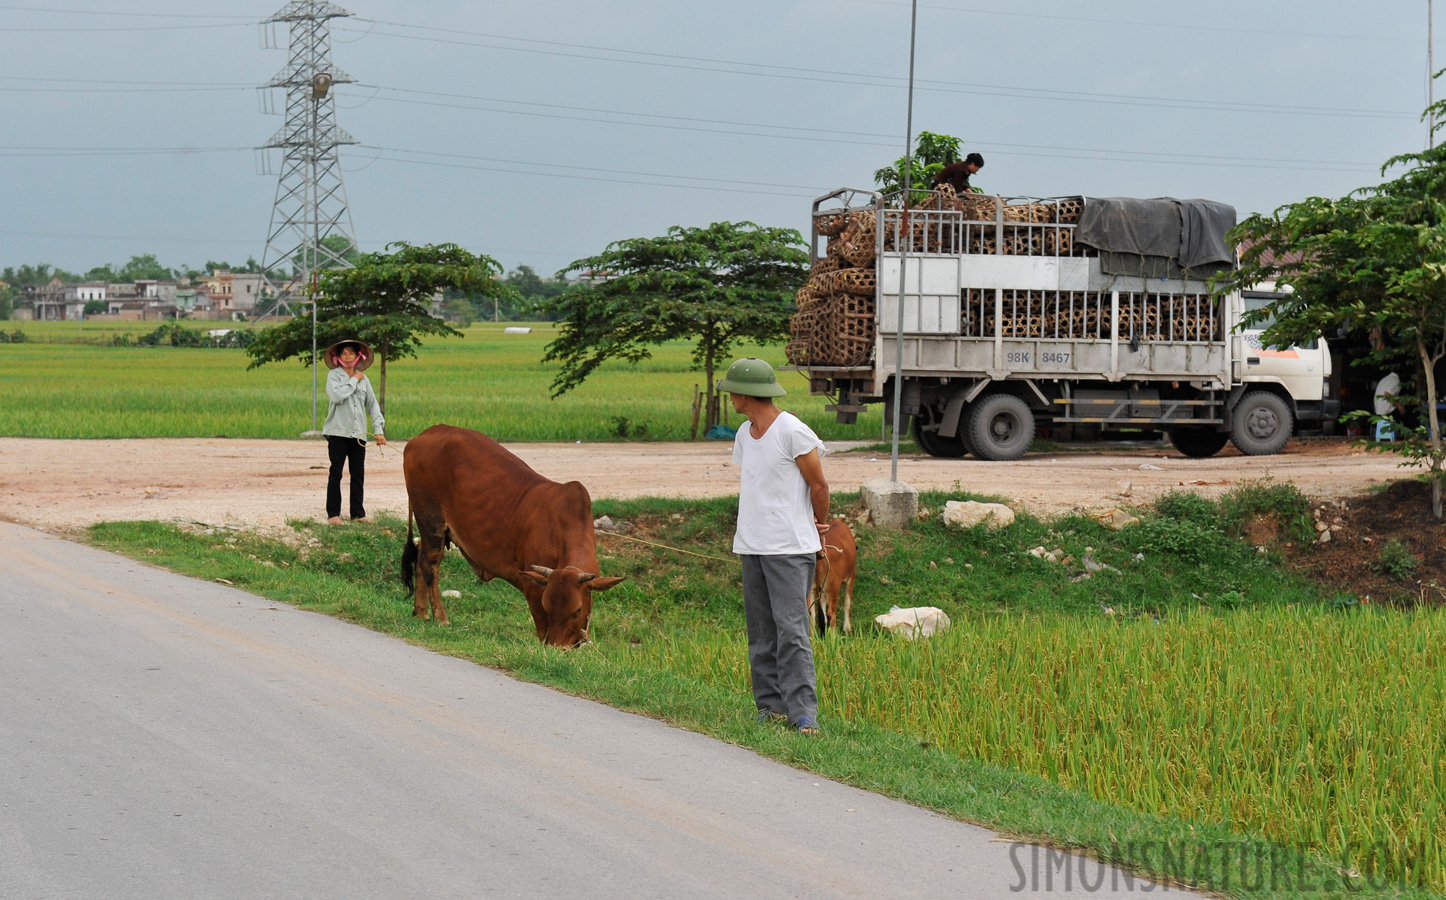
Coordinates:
(602, 584)
(535, 577)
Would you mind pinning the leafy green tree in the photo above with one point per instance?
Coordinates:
(459, 310)
(386, 301)
(1374, 263)
(932, 152)
(33, 276)
(94, 307)
(140, 268)
(717, 285)
(7, 301)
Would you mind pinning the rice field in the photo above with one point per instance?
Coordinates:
(486, 380)
(1315, 729)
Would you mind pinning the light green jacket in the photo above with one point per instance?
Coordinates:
(351, 400)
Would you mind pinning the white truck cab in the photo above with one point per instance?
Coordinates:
(1301, 370)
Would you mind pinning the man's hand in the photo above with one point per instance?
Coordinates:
(381, 439)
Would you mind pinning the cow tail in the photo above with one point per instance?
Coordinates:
(409, 557)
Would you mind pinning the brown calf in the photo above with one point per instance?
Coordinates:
(833, 577)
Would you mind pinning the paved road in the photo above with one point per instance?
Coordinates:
(168, 738)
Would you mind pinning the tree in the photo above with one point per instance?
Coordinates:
(140, 268)
(1373, 263)
(932, 152)
(7, 301)
(386, 301)
(718, 285)
(94, 307)
(34, 276)
(459, 310)
(533, 294)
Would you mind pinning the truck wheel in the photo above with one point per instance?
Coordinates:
(936, 444)
(1001, 427)
(1198, 442)
(1262, 424)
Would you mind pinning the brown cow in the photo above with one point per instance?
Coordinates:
(834, 576)
(466, 489)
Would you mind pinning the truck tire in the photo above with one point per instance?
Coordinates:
(936, 444)
(1262, 423)
(1001, 428)
(1198, 443)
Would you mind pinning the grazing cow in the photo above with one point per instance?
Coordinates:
(833, 577)
(466, 489)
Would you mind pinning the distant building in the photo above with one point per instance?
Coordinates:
(53, 302)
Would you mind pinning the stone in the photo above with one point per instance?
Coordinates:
(968, 513)
(1114, 518)
(891, 504)
(452, 595)
(914, 622)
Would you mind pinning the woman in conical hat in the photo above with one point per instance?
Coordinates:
(352, 400)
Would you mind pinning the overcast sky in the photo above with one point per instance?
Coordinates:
(537, 132)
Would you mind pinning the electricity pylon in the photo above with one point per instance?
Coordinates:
(310, 204)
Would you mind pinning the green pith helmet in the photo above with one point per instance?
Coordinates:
(753, 377)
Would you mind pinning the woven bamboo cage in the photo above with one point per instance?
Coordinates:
(856, 281)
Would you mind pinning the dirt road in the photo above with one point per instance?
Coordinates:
(62, 486)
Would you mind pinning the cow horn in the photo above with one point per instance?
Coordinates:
(542, 570)
(585, 577)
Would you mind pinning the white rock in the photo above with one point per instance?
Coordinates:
(968, 513)
(914, 622)
(452, 595)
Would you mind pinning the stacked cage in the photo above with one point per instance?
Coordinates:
(834, 325)
(1090, 315)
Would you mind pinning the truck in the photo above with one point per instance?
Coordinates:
(1020, 313)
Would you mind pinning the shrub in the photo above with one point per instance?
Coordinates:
(1394, 561)
(1183, 538)
(1188, 507)
(1283, 502)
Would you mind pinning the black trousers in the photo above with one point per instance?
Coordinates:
(354, 453)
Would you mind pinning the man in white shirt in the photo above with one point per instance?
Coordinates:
(782, 510)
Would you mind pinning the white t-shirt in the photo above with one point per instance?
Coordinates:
(775, 512)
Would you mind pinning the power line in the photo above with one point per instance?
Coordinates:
(730, 127)
(825, 76)
(101, 12)
(114, 28)
(593, 178)
(523, 162)
(229, 84)
(1173, 26)
(116, 151)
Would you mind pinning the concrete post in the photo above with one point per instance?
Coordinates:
(891, 504)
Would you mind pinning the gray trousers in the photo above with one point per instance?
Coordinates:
(780, 656)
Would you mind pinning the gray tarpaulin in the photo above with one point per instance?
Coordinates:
(1189, 233)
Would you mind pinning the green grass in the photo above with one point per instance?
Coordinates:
(486, 380)
(1191, 691)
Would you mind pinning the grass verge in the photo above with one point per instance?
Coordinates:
(1188, 694)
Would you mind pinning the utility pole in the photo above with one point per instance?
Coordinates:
(903, 242)
(310, 205)
(1430, 76)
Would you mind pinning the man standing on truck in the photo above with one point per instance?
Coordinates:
(956, 175)
(782, 510)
